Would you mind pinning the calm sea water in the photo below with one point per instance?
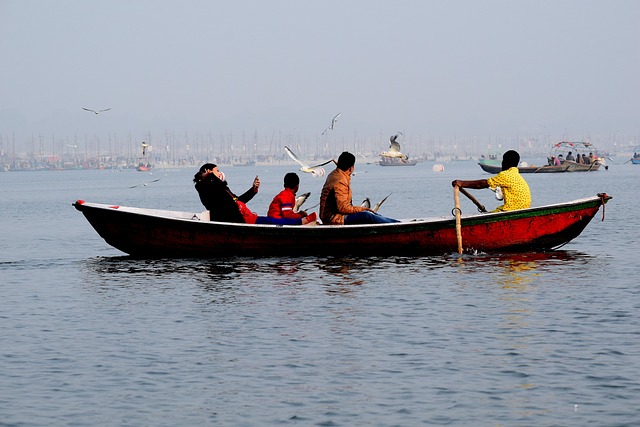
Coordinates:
(92, 337)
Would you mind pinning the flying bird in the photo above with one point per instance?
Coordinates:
(367, 203)
(96, 111)
(300, 201)
(145, 184)
(333, 123)
(315, 170)
(394, 149)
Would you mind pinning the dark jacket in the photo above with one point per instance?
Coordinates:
(219, 200)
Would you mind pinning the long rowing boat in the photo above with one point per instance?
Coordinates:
(156, 233)
(564, 167)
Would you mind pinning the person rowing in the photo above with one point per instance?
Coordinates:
(515, 190)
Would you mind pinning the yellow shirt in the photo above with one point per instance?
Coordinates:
(514, 189)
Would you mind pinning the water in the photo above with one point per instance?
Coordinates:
(92, 337)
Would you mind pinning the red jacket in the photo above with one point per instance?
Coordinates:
(283, 204)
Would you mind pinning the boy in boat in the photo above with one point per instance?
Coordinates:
(515, 189)
(335, 200)
(282, 206)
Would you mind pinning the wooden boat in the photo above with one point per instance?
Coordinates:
(564, 167)
(558, 150)
(489, 161)
(159, 233)
(578, 148)
(494, 169)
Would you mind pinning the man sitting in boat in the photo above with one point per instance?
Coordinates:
(335, 200)
(570, 157)
(514, 188)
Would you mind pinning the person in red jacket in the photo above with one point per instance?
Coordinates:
(282, 206)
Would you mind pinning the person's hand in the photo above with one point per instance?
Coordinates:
(256, 184)
(456, 183)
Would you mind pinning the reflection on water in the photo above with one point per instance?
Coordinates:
(516, 270)
(509, 270)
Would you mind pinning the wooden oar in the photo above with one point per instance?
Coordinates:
(456, 199)
(481, 207)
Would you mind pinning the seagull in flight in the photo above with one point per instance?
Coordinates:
(394, 149)
(367, 203)
(315, 170)
(300, 201)
(144, 146)
(333, 123)
(145, 184)
(96, 111)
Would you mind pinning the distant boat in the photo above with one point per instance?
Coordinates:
(396, 161)
(492, 158)
(246, 163)
(564, 150)
(560, 150)
(144, 167)
(636, 155)
(565, 167)
(160, 233)
(525, 169)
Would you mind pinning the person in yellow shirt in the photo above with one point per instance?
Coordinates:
(515, 189)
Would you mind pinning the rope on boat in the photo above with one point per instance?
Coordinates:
(603, 199)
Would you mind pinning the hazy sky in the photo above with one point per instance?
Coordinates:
(426, 67)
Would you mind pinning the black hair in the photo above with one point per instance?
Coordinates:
(291, 179)
(510, 159)
(346, 160)
(198, 176)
